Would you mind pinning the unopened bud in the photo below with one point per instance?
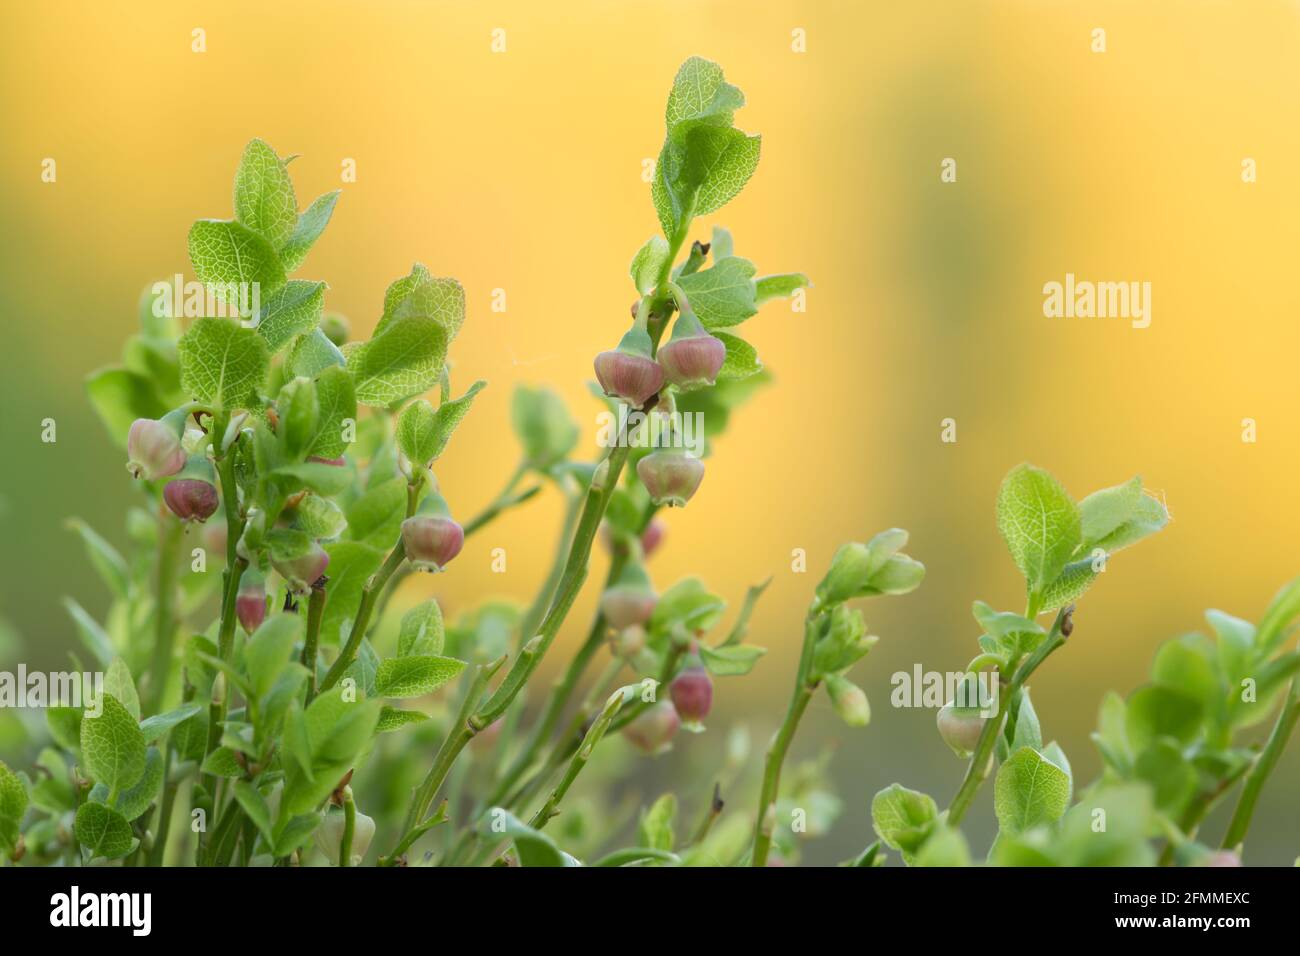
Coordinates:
(670, 475)
(654, 728)
(301, 572)
(431, 541)
(250, 602)
(692, 694)
(192, 495)
(153, 447)
(329, 837)
(960, 728)
(630, 600)
(849, 701)
(629, 372)
(692, 357)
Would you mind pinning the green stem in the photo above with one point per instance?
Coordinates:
(978, 769)
(1263, 766)
(552, 806)
(575, 572)
(765, 824)
(349, 827)
(170, 531)
(315, 611)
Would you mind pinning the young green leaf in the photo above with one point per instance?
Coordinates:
(118, 682)
(154, 727)
(421, 632)
(944, 847)
(423, 433)
(255, 806)
(106, 560)
(534, 847)
(338, 406)
(297, 833)
(903, 818)
(656, 828)
(425, 295)
(351, 565)
(112, 745)
(222, 364)
(648, 263)
(307, 230)
(1039, 523)
(312, 354)
(779, 286)
(13, 804)
(103, 831)
(391, 719)
(226, 253)
(1161, 712)
(292, 310)
(724, 294)
(1029, 790)
(543, 426)
(731, 660)
(403, 677)
(319, 517)
(120, 396)
(741, 360)
(333, 731)
(264, 198)
(267, 651)
(404, 359)
(137, 798)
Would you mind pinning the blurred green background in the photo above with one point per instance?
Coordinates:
(521, 171)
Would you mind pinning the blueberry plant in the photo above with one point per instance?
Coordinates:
(260, 705)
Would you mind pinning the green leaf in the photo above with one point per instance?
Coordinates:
(118, 682)
(391, 718)
(268, 649)
(334, 733)
(1056, 755)
(222, 763)
(741, 360)
(307, 230)
(91, 633)
(338, 404)
(292, 310)
(424, 295)
(1070, 585)
(700, 95)
(65, 726)
(319, 517)
(1039, 523)
(732, 660)
(779, 286)
(1162, 712)
(724, 294)
(13, 804)
(313, 354)
(421, 632)
(351, 565)
(136, 799)
(1029, 790)
(534, 847)
(1282, 610)
(648, 263)
(720, 161)
(903, 818)
(689, 605)
(656, 827)
(1027, 733)
(1111, 736)
(423, 433)
(154, 727)
(405, 359)
(317, 476)
(1186, 666)
(1102, 512)
(224, 252)
(103, 831)
(254, 804)
(376, 517)
(1171, 776)
(402, 677)
(297, 833)
(944, 847)
(120, 397)
(1148, 517)
(1014, 634)
(222, 364)
(112, 745)
(105, 559)
(543, 425)
(264, 199)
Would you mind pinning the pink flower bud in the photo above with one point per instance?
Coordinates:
(154, 449)
(670, 475)
(340, 461)
(1222, 858)
(431, 541)
(191, 499)
(692, 360)
(630, 372)
(628, 643)
(653, 730)
(250, 602)
(692, 694)
(632, 378)
(960, 728)
(302, 572)
(652, 536)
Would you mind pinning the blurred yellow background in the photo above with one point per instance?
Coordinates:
(522, 171)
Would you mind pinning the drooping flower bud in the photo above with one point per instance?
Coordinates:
(153, 446)
(192, 495)
(628, 643)
(630, 600)
(431, 537)
(302, 571)
(329, 836)
(692, 357)
(960, 728)
(652, 536)
(849, 701)
(670, 475)
(630, 372)
(654, 728)
(335, 327)
(1221, 858)
(692, 694)
(250, 602)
